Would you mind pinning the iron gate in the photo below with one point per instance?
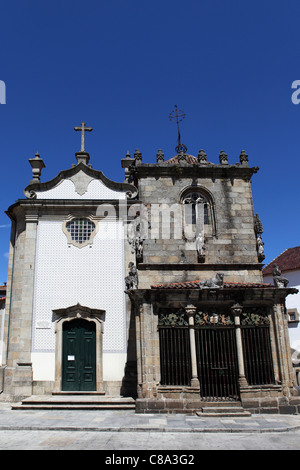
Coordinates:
(258, 355)
(216, 351)
(175, 356)
(217, 363)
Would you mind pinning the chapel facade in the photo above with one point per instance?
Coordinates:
(151, 288)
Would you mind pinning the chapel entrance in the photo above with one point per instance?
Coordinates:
(217, 363)
(79, 356)
(215, 351)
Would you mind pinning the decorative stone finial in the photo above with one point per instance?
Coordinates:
(181, 156)
(223, 158)
(160, 156)
(138, 155)
(37, 164)
(244, 158)
(202, 158)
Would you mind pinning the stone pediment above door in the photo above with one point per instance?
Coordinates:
(80, 182)
(79, 311)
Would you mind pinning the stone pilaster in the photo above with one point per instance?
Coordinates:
(286, 373)
(18, 373)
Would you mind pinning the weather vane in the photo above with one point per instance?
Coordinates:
(177, 115)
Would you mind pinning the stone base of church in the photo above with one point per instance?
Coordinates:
(168, 405)
(270, 399)
(276, 405)
(17, 382)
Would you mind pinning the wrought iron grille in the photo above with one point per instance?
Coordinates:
(175, 356)
(257, 355)
(217, 363)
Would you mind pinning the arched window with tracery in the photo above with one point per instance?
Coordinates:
(198, 211)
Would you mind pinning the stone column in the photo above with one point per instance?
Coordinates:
(237, 310)
(191, 310)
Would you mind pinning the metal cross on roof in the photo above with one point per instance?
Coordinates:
(177, 115)
(83, 129)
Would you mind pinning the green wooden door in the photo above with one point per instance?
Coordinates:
(79, 356)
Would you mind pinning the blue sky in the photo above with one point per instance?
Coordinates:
(121, 66)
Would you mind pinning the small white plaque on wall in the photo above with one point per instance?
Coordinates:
(43, 324)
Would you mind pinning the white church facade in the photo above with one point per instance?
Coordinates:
(67, 262)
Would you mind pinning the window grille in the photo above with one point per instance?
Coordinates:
(80, 229)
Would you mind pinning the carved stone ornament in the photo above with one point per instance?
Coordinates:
(237, 309)
(244, 158)
(213, 318)
(258, 227)
(177, 318)
(215, 282)
(131, 281)
(190, 310)
(160, 157)
(202, 157)
(81, 182)
(279, 280)
(254, 319)
(223, 158)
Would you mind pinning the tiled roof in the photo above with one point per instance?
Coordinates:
(195, 285)
(189, 159)
(288, 260)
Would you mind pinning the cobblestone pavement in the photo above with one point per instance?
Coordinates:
(125, 430)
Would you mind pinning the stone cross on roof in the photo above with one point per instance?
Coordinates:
(83, 129)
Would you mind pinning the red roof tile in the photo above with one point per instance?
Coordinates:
(288, 260)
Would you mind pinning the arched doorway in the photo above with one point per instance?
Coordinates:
(79, 349)
(79, 356)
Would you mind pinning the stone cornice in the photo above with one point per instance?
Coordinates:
(198, 266)
(30, 190)
(184, 169)
(65, 206)
(245, 295)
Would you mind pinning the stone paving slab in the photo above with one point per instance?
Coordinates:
(129, 421)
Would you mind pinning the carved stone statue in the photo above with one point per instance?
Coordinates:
(215, 282)
(260, 248)
(279, 280)
(131, 281)
(200, 245)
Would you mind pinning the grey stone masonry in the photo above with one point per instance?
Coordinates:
(229, 235)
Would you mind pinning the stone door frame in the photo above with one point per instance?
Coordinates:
(71, 313)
